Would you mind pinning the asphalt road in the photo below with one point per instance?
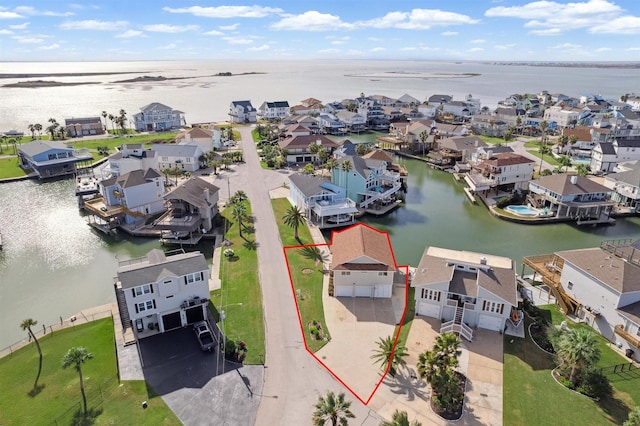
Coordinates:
(293, 379)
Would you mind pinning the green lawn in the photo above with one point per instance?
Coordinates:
(60, 397)
(532, 397)
(408, 318)
(493, 140)
(240, 284)
(10, 167)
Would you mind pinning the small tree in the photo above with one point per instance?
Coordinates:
(293, 218)
(400, 418)
(26, 325)
(389, 354)
(239, 213)
(577, 349)
(75, 357)
(634, 418)
(332, 408)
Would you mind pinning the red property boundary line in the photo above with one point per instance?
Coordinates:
(304, 337)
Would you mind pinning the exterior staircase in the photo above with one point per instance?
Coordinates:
(122, 307)
(457, 326)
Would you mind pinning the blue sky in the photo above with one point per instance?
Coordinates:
(579, 30)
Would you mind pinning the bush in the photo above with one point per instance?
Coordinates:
(594, 384)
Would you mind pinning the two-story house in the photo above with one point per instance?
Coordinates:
(561, 115)
(352, 121)
(161, 292)
(242, 112)
(625, 186)
(297, 147)
(128, 158)
(205, 138)
(273, 110)
(84, 126)
(184, 157)
(362, 262)
(503, 171)
(367, 180)
(50, 159)
(606, 155)
(330, 124)
(465, 289)
(157, 117)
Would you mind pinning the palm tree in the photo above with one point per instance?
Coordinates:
(578, 349)
(104, 115)
(32, 129)
(543, 129)
(583, 169)
(564, 162)
(332, 408)
(239, 213)
(76, 357)
(390, 355)
(543, 150)
(346, 167)
(38, 128)
(123, 121)
(400, 418)
(26, 325)
(330, 164)
(52, 128)
(294, 218)
(312, 253)
(239, 197)
(437, 367)
(112, 118)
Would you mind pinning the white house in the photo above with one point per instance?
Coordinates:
(330, 124)
(601, 286)
(607, 155)
(242, 112)
(298, 147)
(465, 289)
(625, 186)
(205, 138)
(561, 115)
(273, 110)
(128, 158)
(362, 262)
(507, 171)
(158, 117)
(352, 121)
(184, 157)
(163, 292)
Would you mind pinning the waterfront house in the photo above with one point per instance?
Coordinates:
(633, 101)
(161, 292)
(465, 290)
(273, 110)
(127, 158)
(373, 113)
(458, 148)
(368, 181)
(503, 172)
(353, 122)
(50, 159)
(386, 101)
(449, 130)
(488, 125)
(606, 155)
(572, 197)
(562, 115)
(157, 117)
(458, 109)
(322, 202)
(362, 262)
(128, 197)
(439, 100)
(205, 138)
(625, 186)
(600, 286)
(330, 124)
(184, 157)
(428, 111)
(408, 100)
(242, 112)
(297, 147)
(84, 126)
(191, 208)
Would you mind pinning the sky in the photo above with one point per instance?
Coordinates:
(476, 30)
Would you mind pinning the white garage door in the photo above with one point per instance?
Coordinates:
(428, 309)
(343, 291)
(382, 291)
(362, 291)
(490, 323)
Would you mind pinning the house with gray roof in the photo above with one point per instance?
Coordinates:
(273, 110)
(157, 117)
(161, 292)
(625, 186)
(600, 286)
(572, 197)
(242, 112)
(465, 289)
(606, 155)
(84, 126)
(183, 156)
(127, 158)
(322, 202)
(368, 181)
(49, 159)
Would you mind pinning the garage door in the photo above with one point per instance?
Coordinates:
(382, 291)
(343, 291)
(195, 314)
(362, 291)
(171, 321)
(490, 323)
(428, 310)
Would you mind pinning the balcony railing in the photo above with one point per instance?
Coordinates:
(620, 331)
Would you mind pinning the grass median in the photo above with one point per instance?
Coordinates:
(59, 399)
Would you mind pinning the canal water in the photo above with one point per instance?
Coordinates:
(54, 265)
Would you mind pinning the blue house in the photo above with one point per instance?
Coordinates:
(51, 158)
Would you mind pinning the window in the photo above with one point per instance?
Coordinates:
(570, 285)
(382, 274)
(345, 273)
(638, 332)
(494, 307)
(191, 278)
(145, 306)
(431, 294)
(143, 289)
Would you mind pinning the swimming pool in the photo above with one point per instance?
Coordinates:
(578, 160)
(522, 210)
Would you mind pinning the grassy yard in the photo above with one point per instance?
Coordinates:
(408, 318)
(240, 284)
(306, 276)
(60, 398)
(532, 397)
(493, 140)
(10, 167)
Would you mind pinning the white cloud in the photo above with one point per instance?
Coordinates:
(633, 49)
(378, 49)
(94, 25)
(53, 46)
(22, 26)
(559, 17)
(329, 51)
(28, 10)
(449, 33)
(566, 46)
(131, 34)
(622, 25)
(504, 46)
(376, 39)
(227, 11)
(477, 41)
(28, 39)
(214, 33)
(169, 46)
(238, 40)
(312, 21)
(418, 19)
(604, 49)
(409, 49)
(4, 14)
(259, 48)
(229, 27)
(339, 40)
(475, 49)
(78, 6)
(171, 29)
(5, 32)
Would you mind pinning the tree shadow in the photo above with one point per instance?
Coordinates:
(615, 408)
(409, 385)
(85, 419)
(250, 244)
(36, 390)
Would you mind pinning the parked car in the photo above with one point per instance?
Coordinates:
(204, 335)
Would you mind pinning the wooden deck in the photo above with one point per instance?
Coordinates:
(620, 331)
(549, 267)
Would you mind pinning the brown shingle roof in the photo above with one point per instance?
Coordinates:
(361, 247)
(508, 159)
(303, 141)
(561, 184)
(379, 154)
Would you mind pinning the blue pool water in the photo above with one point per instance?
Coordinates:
(522, 210)
(581, 160)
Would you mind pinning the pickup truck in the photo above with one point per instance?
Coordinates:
(204, 335)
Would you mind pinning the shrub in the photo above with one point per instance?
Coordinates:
(594, 384)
